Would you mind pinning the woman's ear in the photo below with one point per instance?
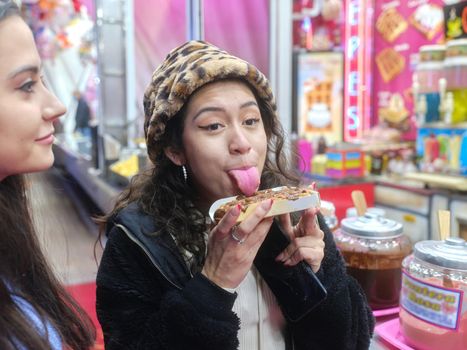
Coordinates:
(176, 156)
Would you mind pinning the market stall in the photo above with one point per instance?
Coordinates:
(372, 94)
(383, 103)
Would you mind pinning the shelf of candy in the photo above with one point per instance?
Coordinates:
(442, 150)
(440, 95)
(388, 153)
(379, 152)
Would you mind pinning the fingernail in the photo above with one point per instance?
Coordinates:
(279, 257)
(267, 204)
(236, 210)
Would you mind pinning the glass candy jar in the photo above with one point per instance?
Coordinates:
(329, 213)
(373, 248)
(456, 77)
(433, 313)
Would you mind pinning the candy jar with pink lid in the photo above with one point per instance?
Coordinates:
(373, 248)
(433, 302)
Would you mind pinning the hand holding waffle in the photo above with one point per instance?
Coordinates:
(232, 247)
(306, 240)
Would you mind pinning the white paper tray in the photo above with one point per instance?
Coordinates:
(279, 206)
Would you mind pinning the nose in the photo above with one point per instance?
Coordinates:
(53, 108)
(239, 142)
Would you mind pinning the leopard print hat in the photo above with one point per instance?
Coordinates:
(184, 70)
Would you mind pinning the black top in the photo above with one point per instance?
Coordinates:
(148, 299)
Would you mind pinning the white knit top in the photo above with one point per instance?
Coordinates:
(260, 317)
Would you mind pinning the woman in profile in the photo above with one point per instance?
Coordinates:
(36, 313)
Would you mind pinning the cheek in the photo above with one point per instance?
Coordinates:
(204, 160)
(203, 150)
(206, 163)
(18, 151)
(261, 145)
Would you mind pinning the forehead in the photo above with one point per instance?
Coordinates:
(17, 47)
(225, 89)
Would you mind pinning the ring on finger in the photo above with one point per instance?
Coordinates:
(233, 234)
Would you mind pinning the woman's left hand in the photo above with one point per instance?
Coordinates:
(306, 240)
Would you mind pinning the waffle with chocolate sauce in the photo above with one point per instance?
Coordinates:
(286, 193)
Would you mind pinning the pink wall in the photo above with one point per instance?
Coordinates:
(406, 44)
(240, 27)
(159, 27)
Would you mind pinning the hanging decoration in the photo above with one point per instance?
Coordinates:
(59, 25)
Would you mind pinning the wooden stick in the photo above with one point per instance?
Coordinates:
(444, 222)
(359, 202)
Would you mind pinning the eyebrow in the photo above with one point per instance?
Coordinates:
(220, 109)
(22, 69)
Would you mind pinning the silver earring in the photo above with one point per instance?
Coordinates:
(185, 174)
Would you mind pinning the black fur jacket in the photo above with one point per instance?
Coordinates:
(147, 298)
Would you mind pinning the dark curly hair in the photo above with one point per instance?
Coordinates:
(163, 193)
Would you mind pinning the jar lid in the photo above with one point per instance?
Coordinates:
(456, 42)
(352, 211)
(455, 62)
(424, 48)
(328, 208)
(430, 65)
(372, 225)
(450, 253)
(456, 48)
(432, 53)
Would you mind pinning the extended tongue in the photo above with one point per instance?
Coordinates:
(247, 180)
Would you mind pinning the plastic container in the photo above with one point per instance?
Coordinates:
(373, 248)
(329, 212)
(432, 147)
(352, 211)
(305, 152)
(463, 154)
(429, 71)
(455, 66)
(433, 312)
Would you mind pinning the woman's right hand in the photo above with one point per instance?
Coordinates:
(228, 260)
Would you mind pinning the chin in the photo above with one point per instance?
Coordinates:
(46, 163)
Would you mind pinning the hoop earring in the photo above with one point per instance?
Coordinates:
(185, 174)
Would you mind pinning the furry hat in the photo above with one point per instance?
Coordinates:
(184, 70)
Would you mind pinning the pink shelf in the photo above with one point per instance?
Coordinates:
(389, 331)
(386, 312)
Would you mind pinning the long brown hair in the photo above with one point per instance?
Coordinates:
(162, 191)
(25, 273)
